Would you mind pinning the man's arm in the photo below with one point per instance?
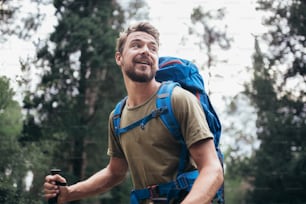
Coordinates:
(100, 182)
(210, 176)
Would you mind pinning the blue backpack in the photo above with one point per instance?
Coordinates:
(174, 72)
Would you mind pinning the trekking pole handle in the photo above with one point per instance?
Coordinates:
(53, 172)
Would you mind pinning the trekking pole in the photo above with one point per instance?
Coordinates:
(53, 172)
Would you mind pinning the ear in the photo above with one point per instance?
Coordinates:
(118, 58)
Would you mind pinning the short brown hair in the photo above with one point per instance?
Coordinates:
(143, 27)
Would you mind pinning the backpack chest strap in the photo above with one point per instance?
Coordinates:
(142, 122)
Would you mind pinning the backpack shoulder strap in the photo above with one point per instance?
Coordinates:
(164, 100)
(117, 116)
(168, 118)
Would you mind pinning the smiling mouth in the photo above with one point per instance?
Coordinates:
(143, 62)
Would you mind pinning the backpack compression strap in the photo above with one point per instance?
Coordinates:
(164, 100)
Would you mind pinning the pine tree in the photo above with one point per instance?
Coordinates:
(16, 19)
(12, 164)
(80, 83)
(286, 21)
(209, 37)
(277, 169)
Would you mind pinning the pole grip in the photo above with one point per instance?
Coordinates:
(53, 172)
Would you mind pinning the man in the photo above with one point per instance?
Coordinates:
(151, 153)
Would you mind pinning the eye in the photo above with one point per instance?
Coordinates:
(135, 45)
(153, 48)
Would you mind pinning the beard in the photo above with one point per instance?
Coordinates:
(142, 78)
(132, 74)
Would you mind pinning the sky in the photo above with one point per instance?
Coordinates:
(171, 17)
(242, 20)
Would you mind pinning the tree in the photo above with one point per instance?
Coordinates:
(80, 83)
(136, 10)
(15, 19)
(12, 165)
(277, 168)
(286, 36)
(209, 36)
(275, 172)
(239, 131)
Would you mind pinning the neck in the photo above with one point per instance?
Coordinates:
(138, 93)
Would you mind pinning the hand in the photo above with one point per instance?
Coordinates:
(52, 189)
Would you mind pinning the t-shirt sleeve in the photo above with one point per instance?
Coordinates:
(190, 115)
(114, 148)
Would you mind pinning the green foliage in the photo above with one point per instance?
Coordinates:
(210, 34)
(238, 175)
(286, 37)
(10, 112)
(278, 166)
(13, 161)
(21, 18)
(235, 190)
(209, 37)
(80, 83)
(10, 128)
(275, 173)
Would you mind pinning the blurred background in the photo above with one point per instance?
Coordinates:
(59, 82)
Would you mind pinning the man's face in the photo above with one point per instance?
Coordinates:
(139, 58)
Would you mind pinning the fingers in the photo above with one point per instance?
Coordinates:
(55, 178)
(51, 189)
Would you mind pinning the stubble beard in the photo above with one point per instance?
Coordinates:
(141, 78)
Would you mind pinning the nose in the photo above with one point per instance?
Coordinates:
(145, 50)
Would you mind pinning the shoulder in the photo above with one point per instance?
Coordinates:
(179, 91)
(118, 107)
(189, 113)
(182, 96)
(185, 103)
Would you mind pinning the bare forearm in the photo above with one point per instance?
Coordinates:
(96, 184)
(211, 173)
(100, 182)
(205, 187)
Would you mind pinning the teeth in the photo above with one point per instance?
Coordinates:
(142, 61)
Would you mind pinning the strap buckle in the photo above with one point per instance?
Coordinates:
(186, 180)
(182, 183)
(157, 112)
(155, 194)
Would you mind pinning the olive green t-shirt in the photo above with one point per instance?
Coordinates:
(153, 153)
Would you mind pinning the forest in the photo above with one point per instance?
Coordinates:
(61, 120)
